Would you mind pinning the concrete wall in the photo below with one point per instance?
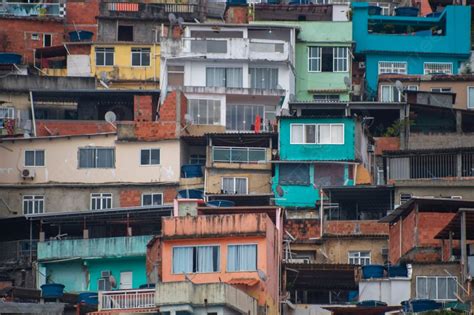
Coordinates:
(446, 140)
(458, 87)
(440, 189)
(143, 31)
(435, 269)
(390, 291)
(259, 181)
(25, 83)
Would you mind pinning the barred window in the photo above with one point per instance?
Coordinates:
(392, 67)
(438, 68)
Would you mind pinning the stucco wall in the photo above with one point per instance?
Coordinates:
(434, 270)
(259, 181)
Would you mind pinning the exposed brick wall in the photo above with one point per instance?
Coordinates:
(355, 227)
(84, 14)
(143, 108)
(430, 224)
(237, 15)
(153, 258)
(130, 198)
(394, 242)
(303, 229)
(69, 127)
(79, 49)
(408, 232)
(386, 144)
(169, 193)
(18, 34)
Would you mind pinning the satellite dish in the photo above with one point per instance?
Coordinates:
(110, 117)
(347, 82)
(261, 275)
(188, 118)
(399, 85)
(172, 18)
(180, 21)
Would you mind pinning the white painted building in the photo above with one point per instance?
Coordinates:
(231, 73)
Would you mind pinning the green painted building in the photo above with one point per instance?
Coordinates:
(323, 59)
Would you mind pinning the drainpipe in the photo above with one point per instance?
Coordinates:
(321, 214)
(33, 120)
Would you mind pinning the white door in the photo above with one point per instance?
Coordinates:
(125, 280)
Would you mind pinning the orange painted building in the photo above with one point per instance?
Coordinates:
(241, 249)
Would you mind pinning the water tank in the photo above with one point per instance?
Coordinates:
(372, 271)
(52, 290)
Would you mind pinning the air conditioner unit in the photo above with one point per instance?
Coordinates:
(103, 284)
(362, 65)
(105, 273)
(27, 173)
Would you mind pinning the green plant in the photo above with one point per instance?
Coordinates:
(394, 129)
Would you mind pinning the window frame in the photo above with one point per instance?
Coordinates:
(318, 59)
(34, 157)
(469, 98)
(219, 259)
(226, 71)
(10, 112)
(234, 178)
(428, 71)
(242, 244)
(41, 198)
(441, 90)
(104, 52)
(262, 68)
(140, 53)
(95, 165)
(149, 157)
(50, 39)
(248, 151)
(392, 95)
(317, 133)
(359, 257)
(392, 67)
(102, 198)
(437, 292)
(336, 57)
(191, 102)
(152, 195)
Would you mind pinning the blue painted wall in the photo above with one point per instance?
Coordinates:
(415, 49)
(69, 273)
(317, 152)
(137, 265)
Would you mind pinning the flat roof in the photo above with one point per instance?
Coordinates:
(235, 25)
(57, 137)
(88, 92)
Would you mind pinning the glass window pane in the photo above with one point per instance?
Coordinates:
(256, 155)
(221, 154)
(337, 134)
(206, 259)
(105, 158)
(452, 289)
(471, 98)
(146, 200)
(310, 133)
(99, 57)
(432, 288)
(146, 57)
(29, 158)
(157, 199)
(294, 174)
(155, 156)
(442, 288)
(239, 155)
(136, 59)
(86, 158)
(324, 134)
(39, 158)
(145, 157)
(421, 287)
(296, 133)
(183, 259)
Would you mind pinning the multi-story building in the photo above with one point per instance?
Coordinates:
(409, 45)
(231, 74)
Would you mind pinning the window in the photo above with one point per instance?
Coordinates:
(242, 117)
(441, 90)
(238, 155)
(392, 67)
(326, 98)
(197, 159)
(317, 134)
(390, 93)
(436, 288)
(263, 78)
(175, 75)
(34, 158)
(35, 36)
(33, 204)
(205, 112)
(224, 77)
(104, 56)
(404, 197)
(359, 258)
(149, 156)
(328, 59)
(7, 113)
(438, 68)
(101, 201)
(153, 199)
(196, 259)
(235, 185)
(242, 257)
(140, 57)
(125, 33)
(470, 97)
(294, 174)
(47, 40)
(97, 158)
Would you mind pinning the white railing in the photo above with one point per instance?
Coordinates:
(126, 299)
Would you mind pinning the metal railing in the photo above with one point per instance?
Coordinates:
(238, 155)
(30, 9)
(126, 299)
(20, 250)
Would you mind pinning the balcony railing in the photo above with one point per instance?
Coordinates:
(156, 10)
(238, 155)
(31, 9)
(126, 299)
(20, 250)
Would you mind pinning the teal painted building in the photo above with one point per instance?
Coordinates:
(315, 153)
(79, 263)
(410, 45)
(323, 60)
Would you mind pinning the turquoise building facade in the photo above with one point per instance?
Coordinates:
(78, 263)
(315, 153)
(410, 45)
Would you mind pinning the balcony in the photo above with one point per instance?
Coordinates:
(155, 10)
(96, 247)
(240, 158)
(126, 299)
(31, 9)
(227, 48)
(18, 251)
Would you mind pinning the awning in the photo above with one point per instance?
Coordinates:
(244, 281)
(52, 51)
(313, 276)
(349, 310)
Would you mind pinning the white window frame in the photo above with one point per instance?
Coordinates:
(357, 257)
(152, 195)
(391, 94)
(34, 158)
(241, 244)
(336, 57)
(468, 98)
(318, 59)
(439, 64)
(33, 199)
(139, 51)
(44, 39)
(103, 197)
(327, 98)
(96, 157)
(437, 278)
(234, 178)
(397, 67)
(103, 51)
(10, 112)
(208, 100)
(317, 138)
(441, 90)
(219, 258)
(149, 156)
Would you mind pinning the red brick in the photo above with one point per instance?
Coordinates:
(130, 198)
(303, 229)
(386, 144)
(70, 127)
(237, 15)
(355, 227)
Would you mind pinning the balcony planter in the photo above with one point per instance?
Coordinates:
(372, 271)
(10, 58)
(80, 36)
(191, 170)
(90, 298)
(406, 11)
(375, 10)
(52, 290)
(221, 203)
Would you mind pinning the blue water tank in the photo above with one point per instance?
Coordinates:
(190, 194)
(191, 170)
(10, 58)
(406, 11)
(420, 305)
(52, 290)
(398, 271)
(80, 36)
(372, 271)
(91, 298)
(220, 203)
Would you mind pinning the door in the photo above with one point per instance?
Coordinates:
(125, 280)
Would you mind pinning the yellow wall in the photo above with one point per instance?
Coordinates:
(122, 70)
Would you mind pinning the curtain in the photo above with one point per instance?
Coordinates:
(452, 289)
(421, 288)
(233, 78)
(228, 185)
(297, 134)
(241, 186)
(337, 134)
(432, 294)
(105, 158)
(310, 133)
(242, 258)
(442, 288)
(39, 158)
(182, 259)
(263, 78)
(215, 77)
(205, 259)
(29, 158)
(386, 93)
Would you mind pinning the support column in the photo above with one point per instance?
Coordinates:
(402, 129)
(463, 247)
(458, 121)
